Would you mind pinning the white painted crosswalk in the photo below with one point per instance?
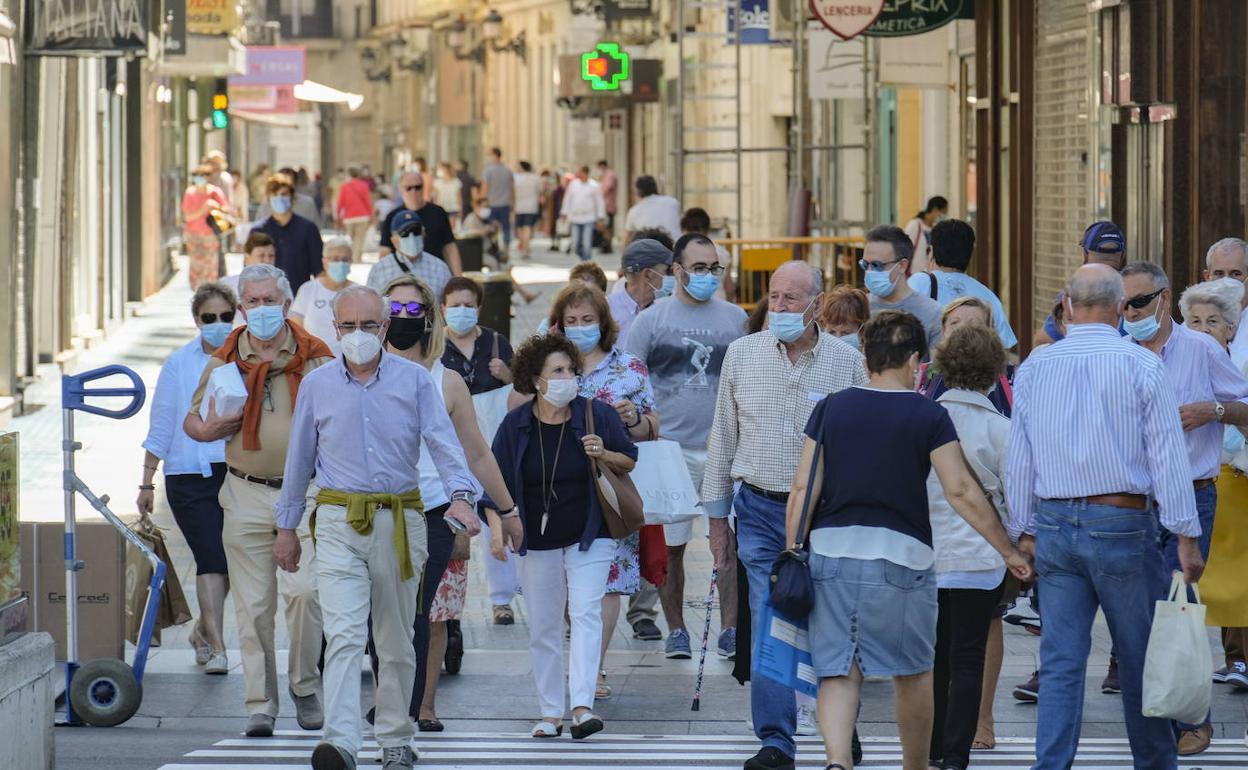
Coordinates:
(291, 750)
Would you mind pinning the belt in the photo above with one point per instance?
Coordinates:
(1119, 500)
(1202, 483)
(779, 497)
(271, 483)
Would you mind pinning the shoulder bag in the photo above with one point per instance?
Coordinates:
(621, 504)
(792, 589)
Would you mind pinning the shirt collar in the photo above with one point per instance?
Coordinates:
(349, 378)
(1091, 330)
(968, 397)
(820, 344)
(246, 350)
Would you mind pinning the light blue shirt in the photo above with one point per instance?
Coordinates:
(366, 437)
(1095, 414)
(171, 402)
(950, 286)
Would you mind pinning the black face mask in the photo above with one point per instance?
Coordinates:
(405, 333)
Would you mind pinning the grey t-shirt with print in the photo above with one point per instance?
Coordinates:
(683, 345)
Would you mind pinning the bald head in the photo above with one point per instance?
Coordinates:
(799, 275)
(1095, 295)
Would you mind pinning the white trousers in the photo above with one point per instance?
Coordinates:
(550, 579)
(255, 581)
(500, 575)
(356, 573)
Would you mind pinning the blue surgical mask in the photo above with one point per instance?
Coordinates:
(585, 338)
(702, 287)
(850, 339)
(280, 204)
(461, 319)
(339, 271)
(543, 326)
(667, 289)
(199, 179)
(879, 282)
(1144, 329)
(265, 321)
(215, 333)
(787, 326)
(411, 245)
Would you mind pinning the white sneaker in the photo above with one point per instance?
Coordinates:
(806, 724)
(217, 663)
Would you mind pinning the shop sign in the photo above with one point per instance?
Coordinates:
(614, 10)
(755, 22)
(211, 17)
(175, 29)
(900, 18)
(837, 67)
(107, 27)
(846, 18)
(272, 66)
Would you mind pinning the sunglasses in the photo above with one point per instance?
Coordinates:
(1143, 301)
(413, 230)
(414, 309)
(211, 318)
(413, 188)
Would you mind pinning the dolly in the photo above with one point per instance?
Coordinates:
(103, 692)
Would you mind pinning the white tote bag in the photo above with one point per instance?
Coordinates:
(1178, 660)
(663, 480)
(491, 408)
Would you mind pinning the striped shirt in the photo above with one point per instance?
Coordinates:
(762, 408)
(427, 268)
(1096, 415)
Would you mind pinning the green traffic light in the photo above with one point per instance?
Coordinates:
(220, 119)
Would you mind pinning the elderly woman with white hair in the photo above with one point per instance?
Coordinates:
(1213, 307)
(313, 308)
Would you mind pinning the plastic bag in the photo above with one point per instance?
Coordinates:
(1178, 660)
(662, 479)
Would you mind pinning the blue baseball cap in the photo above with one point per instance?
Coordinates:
(1104, 237)
(406, 222)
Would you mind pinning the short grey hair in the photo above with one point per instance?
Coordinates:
(1158, 276)
(816, 275)
(1095, 288)
(1238, 244)
(1225, 294)
(358, 289)
(263, 272)
(339, 242)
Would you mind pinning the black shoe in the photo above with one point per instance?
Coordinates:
(647, 630)
(430, 725)
(1029, 691)
(856, 749)
(454, 659)
(327, 756)
(1110, 684)
(769, 758)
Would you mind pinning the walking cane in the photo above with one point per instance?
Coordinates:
(706, 636)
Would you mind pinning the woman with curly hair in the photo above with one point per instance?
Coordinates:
(544, 450)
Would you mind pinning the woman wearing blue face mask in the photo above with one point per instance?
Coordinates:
(202, 245)
(846, 309)
(581, 313)
(479, 354)
(193, 470)
(313, 306)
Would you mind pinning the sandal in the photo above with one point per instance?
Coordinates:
(548, 728)
(603, 690)
(504, 615)
(430, 725)
(985, 740)
(586, 725)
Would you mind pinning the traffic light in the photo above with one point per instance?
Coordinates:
(605, 67)
(220, 106)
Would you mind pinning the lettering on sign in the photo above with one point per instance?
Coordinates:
(900, 18)
(211, 17)
(108, 26)
(846, 18)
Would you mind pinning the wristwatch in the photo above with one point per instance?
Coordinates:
(464, 496)
(1218, 411)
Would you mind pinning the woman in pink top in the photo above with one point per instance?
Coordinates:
(201, 243)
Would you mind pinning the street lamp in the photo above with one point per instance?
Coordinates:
(380, 62)
(491, 32)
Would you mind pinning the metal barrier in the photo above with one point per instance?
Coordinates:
(757, 258)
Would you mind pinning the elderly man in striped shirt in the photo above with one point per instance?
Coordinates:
(1097, 457)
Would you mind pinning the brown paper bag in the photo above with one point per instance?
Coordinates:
(173, 609)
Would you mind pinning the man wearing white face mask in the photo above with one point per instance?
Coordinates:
(272, 356)
(409, 256)
(370, 527)
(770, 382)
(313, 305)
(885, 260)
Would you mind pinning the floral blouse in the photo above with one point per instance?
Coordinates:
(620, 376)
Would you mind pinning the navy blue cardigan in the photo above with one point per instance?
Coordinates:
(512, 440)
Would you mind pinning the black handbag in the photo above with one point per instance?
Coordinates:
(792, 589)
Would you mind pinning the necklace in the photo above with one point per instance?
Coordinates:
(548, 491)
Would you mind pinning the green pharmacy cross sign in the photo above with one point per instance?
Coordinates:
(605, 67)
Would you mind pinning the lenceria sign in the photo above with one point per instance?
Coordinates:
(846, 18)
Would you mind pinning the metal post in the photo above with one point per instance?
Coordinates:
(680, 101)
(68, 446)
(737, 74)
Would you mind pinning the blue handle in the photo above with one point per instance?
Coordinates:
(74, 392)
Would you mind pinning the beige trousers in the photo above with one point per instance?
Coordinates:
(356, 574)
(255, 581)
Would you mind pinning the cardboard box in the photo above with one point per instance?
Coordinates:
(101, 586)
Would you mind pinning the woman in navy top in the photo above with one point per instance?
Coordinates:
(871, 541)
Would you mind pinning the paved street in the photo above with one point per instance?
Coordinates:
(189, 720)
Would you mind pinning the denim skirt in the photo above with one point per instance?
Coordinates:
(875, 612)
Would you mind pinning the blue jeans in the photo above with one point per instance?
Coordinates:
(1206, 504)
(583, 240)
(1090, 555)
(502, 216)
(760, 539)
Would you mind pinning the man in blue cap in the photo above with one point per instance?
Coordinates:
(1103, 243)
(409, 256)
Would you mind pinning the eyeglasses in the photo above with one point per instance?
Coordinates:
(876, 267)
(211, 318)
(372, 327)
(701, 269)
(1143, 301)
(414, 309)
(413, 187)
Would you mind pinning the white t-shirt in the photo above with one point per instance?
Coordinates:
(527, 186)
(655, 211)
(315, 303)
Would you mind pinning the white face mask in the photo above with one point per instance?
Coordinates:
(359, 347)
(559, 393)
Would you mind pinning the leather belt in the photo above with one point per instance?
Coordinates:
(779, 497)
(271, 483)
(1202, 483)
(1119, 500)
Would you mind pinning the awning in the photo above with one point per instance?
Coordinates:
(310, 91)
(206, 56)
(275, 120)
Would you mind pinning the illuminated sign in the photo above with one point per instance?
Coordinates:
(605, 67)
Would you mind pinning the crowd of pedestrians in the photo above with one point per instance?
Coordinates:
(890, 430)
